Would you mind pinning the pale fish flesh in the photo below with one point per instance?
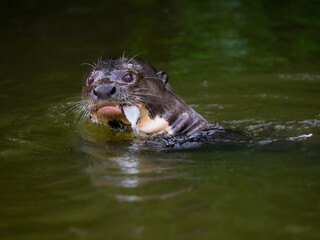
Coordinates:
(132, 114)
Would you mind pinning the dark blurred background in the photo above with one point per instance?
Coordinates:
(235, 36)
(47, 42)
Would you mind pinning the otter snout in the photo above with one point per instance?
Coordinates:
(104, 91)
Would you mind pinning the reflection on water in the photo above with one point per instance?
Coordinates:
(300, 77)
(133, 198)
(117, 168)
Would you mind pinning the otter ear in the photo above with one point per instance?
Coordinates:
(163, 76)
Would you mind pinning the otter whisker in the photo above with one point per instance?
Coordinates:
(143, 90)
(135, 56)
(75, 103)
(78, 115)
(99, 60)
(157, 78)
(89, 64)
(143, 94)
(74, 107)
(85, 117)
(70, 106)
(78, 110)
(77, 97)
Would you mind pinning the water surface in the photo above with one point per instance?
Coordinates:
(251, 65)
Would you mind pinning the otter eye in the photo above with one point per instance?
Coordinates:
(128, 77)
(90, 80)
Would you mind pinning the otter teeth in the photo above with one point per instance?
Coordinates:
(132, 114)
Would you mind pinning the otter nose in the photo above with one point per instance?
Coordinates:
(104, 91)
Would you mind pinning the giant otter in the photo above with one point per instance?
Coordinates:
(129, 93)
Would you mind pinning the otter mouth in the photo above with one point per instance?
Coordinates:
(117, 111)
(108, 109)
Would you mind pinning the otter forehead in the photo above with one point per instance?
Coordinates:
(106, 66)
(132, 67)
(114, 69)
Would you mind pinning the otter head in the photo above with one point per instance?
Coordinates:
(127, 91)
(116, 83)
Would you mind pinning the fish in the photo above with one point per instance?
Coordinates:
(132, 114)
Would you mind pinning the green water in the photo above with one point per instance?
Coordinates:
(252, 65)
